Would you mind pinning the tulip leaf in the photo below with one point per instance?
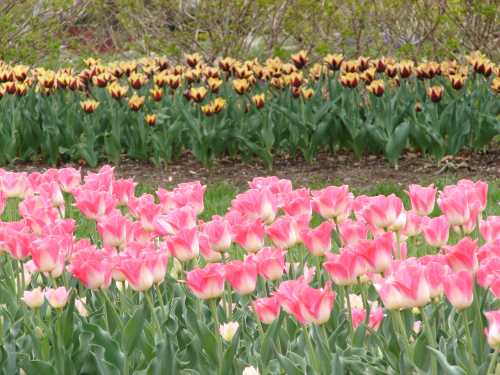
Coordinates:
(38, 367)
(447, 368)
(132, 331)
(289, 367)
(397, 141)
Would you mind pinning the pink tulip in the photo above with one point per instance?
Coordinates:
(3, 202)
(316, 304)
(92, 267)
(284, 232)
(14, 185)
(458, 288)
(345, 268)
(208, 282)
(298, 203)
(157, 261)
(137, 272)
(139, 234)
(249, 235)
(270, 263)
(241, 275)
(33, 298)
(333, 202)
(256, 204)
(385, 212)
(462, 256)
(488, 272)
(146, 210)
(436, 231)
(477, 192)
(279, 188)
(493, 330)
(267, 309)
(352, 231)
(47, 253)
(374, 321)
(405, 286)
(17, 243)
(166, 198)
(413, 224)
(219, 234)
(94, 204)
(57, 298)
(175, 220)
(115, 230)
(69, 179)
(422, 199)
(184, 245)
(124, 190)
(190, 194)
(52, 193)
(377, 252)
(455, 205)
(490, 228)
(100, 181)
(289, 294)
(206, 250)
(318, 240)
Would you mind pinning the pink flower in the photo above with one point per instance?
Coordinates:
(488, 272)
(493, 330)
(249, 235)
(333, 202)
(208, 282)
(298, 203)
(490, 228)
(477, 192)
(175, 220)
(318, 240)
(123, 190)
(100, 181)
(458, 289)
(377, 252)
(422, 199)
(52, 193)
(47, 253)
(115, 230)
(352, 231)
(157, 261)
(167, 202)
(219, 234)
(92, 267)
(184, 245)
(284, 232)
(14, 185)
(146, 210)
(435, 274)
(17, 243)
(69, 179)
(94, 204)
(413, 224)
(241, 275)
(3, 202)
(462, 256)
(190, 194)
(436, 231)
(375, 319)
(455, 205)
(57, 297)
(404, 287)
(206, 250)
(345, 268)
(33, 298)
(385, 212)
(137, 272)
(256, 204)
(267, 309)
(280, 188)
(270, 263)
(289, 294)
(316, 304)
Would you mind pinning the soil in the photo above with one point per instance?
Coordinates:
(342, 168)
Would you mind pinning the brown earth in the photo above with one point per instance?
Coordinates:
(340, 168)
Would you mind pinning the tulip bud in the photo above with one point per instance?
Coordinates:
(228, 330)
(33, 298)
(250, 370)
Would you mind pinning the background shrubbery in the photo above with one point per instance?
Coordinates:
(47, 31)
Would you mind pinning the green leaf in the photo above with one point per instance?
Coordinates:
(397, 141)
(38, 367)
(447, 368)
(290, 368)
(132, 331)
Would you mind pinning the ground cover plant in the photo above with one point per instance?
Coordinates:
(156, 110)
(104, 277)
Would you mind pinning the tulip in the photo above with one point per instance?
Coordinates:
(351, 232)
(175, 220)
(250, 370)
(208, 282)
(319, 240)
(228, 330)
(57, 298)
(241, 275)
(92, 267)
(270, 263)
(136, 102)
(206, 250)
(298, 203)
(345, 268)
(436, 231)
(490, 228)
(413, 224)
(333, 202)
(462, 256)
(349, 80)
(184, 245)
(316, 304)
(377, 252)
(156, 94)
(69, 179)
(256, 204)
(375, 319)
(455, 205)
(385, 212)
(300, 59)
(139, 276)
(115, 230)
(145, 209)
(376, 87)
(284, 232)
(259, 100)
(458, 288)
(89, 106)
(493, 330)
(197, 93)
(33, 298)
(47, 253)
(435, 274)
(249, 235)
(14, 185)
(422, 199)
(190, 194)
(219, 234)
(267, 309)
(214, 107)
(123, 190)
(94, 204)
(80, 305)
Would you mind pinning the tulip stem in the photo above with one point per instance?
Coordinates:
(468, 340)
(213, 308)
(431, 339)
(147, 294)
(406, 343)
(349, 308)
(160, 297)
(493, 362)
(312, 353)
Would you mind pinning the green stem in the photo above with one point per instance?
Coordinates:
(493, 362)
(213, 309)
(431, 339)
(349, 308)
(112, 306)
(402, 330)
(149, 300)
(160, 297)
(468, 341)
(310, 348)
